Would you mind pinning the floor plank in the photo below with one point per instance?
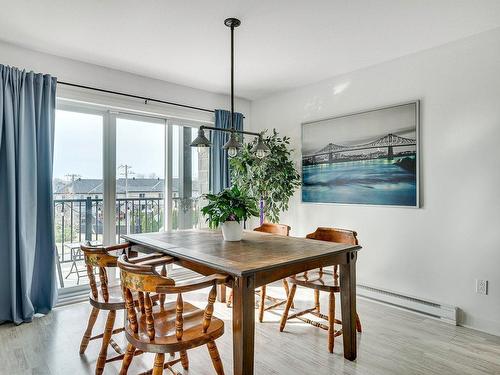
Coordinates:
(393, 342)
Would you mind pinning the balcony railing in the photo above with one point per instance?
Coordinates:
(78, 220)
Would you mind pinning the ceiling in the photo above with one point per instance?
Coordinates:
(281, 44)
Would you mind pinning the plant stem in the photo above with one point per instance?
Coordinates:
(261, 211)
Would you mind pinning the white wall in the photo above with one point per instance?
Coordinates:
(437, 251)
(97, 76)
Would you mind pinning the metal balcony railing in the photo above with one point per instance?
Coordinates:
(78, 220)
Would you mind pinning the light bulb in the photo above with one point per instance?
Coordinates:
(232, 151)
(202, 151)
(260, 153)
(261, 149)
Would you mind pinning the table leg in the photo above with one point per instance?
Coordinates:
(221, 293)
(243, 325)
(348, 303)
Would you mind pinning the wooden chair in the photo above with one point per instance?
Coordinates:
(102, 298)
(169, 327)
(321, 280)
(282, 230)
(105, 298)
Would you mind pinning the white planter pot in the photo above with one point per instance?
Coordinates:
(232, 231)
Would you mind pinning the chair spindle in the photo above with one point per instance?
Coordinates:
(150, 323)
(132, 315)
(179, 320)
(92, 282)
(209, 310)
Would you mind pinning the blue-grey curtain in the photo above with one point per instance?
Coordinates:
(27, 246)
(219, 163)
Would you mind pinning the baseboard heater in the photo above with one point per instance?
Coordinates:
(440, 311)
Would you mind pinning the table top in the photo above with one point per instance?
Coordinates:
(256, 251)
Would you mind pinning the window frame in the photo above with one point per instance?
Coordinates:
(110, 115)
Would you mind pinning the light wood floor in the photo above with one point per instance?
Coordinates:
(393, 342)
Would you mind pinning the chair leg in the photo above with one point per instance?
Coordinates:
(221, 293)
(214, 354)
(287, 289)
(331, 321)
(262, 302)
(316, 300)
(158, 366)
(184, 360)
(108, 330)
(230, 299)
(129, 355)
(289, 302)
(88, 331)
(358, 324)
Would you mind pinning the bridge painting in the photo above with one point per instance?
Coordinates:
(334, 152)
(356, 165)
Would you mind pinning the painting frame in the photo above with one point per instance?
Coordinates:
(418, 196)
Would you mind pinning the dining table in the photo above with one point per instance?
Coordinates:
(258, 259)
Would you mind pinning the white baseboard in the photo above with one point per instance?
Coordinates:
(433, 309)
(488, 326)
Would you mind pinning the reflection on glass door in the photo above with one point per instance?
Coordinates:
(77, 190)
(140, 175)
(189, 179)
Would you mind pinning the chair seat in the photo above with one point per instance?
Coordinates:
(322, 280)
(114, 302)
(165, 340)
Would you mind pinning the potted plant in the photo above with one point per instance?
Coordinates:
(272, 180)
(229, 208)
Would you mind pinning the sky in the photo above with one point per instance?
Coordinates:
(142, 146)
(359, 128)
(78, 147)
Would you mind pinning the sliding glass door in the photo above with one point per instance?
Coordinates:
(78, 189)
(189, 178)
(140, 175)
(118, 173)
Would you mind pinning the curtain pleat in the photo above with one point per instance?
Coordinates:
(219, 163)
(27, 244)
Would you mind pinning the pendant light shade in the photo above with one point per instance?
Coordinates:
(232, 146)
(201, 141)
(261, 149)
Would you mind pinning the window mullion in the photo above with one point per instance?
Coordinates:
(168, 177)
(109, 172)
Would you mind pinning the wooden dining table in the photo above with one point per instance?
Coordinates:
(258, 259)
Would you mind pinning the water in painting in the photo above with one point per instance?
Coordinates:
(365, 158)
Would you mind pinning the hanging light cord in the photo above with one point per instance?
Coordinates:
(232, 77)
(232, 145)
(231, 23)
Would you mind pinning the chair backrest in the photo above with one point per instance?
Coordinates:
(334, 235)
(281, 229)
(101, 257)
(345, 236)
(140, 278)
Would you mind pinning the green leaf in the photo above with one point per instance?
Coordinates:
(273, 179)
(230, 204)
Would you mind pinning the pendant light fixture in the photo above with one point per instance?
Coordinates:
(232, 146)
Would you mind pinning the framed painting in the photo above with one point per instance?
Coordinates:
(369, 157)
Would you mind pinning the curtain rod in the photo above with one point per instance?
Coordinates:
(146, 99)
